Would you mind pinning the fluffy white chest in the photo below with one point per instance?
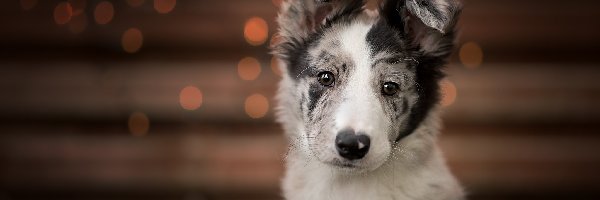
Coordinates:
(328, 187)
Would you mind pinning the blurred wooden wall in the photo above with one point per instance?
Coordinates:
(523, 124)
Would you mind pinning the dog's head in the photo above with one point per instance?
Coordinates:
(357, 81)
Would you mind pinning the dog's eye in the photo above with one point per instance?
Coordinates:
(390, 88)
(326, 78)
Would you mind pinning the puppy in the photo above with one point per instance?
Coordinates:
(359, 98)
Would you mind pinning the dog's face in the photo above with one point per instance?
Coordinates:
(357, 82)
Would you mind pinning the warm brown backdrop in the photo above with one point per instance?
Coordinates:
(81, 118)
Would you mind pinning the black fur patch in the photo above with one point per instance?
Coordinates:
(315, 92)
(404, 105)
(297, 58)
(302, 100)
(346, 14)
(383, 37)
(429, 74)
(295, 50)
(389, 35)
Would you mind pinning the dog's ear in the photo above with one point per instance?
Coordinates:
(298, 19)
(429, 25)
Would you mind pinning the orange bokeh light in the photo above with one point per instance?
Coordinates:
(135, 3)
(471, 55)
(275, 66)
(164, 6)
(63, 13)
(138, 124)
(190, 98)
(256, 31)
(28, 4)
(449, 93)
(256, 106)
(132, 40)
(104, 12)
(249, 68)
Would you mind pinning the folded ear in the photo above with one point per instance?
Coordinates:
(298, 19)
(429, 25)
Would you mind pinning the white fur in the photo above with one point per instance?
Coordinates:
(362, 111)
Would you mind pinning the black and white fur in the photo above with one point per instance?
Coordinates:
(405, 43)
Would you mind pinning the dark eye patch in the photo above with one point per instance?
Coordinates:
(315, 92)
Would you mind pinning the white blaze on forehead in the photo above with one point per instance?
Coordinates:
(360, 110)
(354, 42)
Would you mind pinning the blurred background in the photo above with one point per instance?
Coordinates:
(173, 99)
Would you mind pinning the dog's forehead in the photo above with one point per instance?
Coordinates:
(361, 40)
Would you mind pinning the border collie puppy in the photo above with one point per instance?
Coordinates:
(359, 98)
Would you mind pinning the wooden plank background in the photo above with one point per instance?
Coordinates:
(524, 124)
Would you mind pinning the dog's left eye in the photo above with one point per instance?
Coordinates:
(390, 88)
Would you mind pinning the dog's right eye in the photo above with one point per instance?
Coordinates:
(326, 78)
(390, 88)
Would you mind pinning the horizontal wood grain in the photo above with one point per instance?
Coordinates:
(523, 126)
(88, 90)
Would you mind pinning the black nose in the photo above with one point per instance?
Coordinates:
(352, 146)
